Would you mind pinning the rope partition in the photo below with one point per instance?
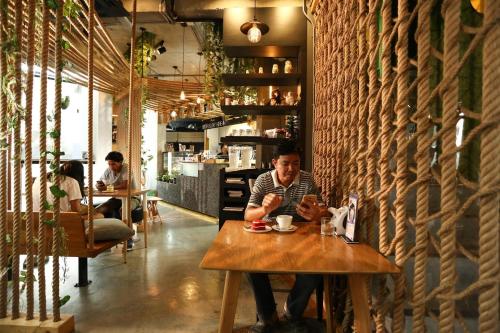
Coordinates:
(28, 217)
(15, 114)
(44, 55)
(490, 174)
(3, 171)
(90, 126)
(398, 78)
(56, 232)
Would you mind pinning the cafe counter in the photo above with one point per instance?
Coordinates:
(197, 189)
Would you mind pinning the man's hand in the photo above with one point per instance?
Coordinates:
(271, 202)
(309, 211)
(100, 185)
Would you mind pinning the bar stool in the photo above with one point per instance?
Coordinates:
(153, 208)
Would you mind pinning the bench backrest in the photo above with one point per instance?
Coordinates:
(75, 243)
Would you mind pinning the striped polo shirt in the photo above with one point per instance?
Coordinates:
(292, 195)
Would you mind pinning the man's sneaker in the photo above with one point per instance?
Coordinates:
(266, 326)
(260, 327)
(130, 244)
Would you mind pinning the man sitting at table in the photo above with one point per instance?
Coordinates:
(277, 192)
(117, 175)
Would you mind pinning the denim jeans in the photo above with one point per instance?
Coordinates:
(297, 299)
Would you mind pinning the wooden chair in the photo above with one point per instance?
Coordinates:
(76, 243)
(153, 208)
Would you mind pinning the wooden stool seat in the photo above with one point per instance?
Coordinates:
(153, 208)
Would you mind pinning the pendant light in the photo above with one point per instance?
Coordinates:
(198, 99)
(254, 29)
(183, 95)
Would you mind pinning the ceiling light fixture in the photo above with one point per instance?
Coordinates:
(160, 48)
(254, 29)
(173, 114)
(183, 95)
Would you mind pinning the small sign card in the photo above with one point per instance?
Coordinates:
(352, 214)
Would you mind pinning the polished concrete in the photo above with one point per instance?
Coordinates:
(160, 289)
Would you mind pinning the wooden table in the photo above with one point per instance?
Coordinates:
(303, 251)
(122, 194)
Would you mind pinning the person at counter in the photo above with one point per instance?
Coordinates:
(277, 192)
(224, 151)
(117, 175)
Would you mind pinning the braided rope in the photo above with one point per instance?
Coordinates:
(423, 167)
(401, 160)
(489, 267)
(132, 110)
(3, 171)
(385, 124)
(56, 233)
(16, 116)
(451, 14)
(42, 302)
(90, 126)
(28, 217)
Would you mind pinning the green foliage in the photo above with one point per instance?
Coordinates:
(213, 52)
(8, 238)
(50, 223)
(57, 192)
(47, 205)
(71, 9)
(52, 4)
(65, 103)
(144, 52)
(64, 300)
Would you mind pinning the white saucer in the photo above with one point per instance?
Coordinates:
(292, 228)
(249, 229)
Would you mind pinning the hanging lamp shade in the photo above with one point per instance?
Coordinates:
(254, 29)
(182, 97)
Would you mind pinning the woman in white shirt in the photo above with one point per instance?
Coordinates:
(72, 177)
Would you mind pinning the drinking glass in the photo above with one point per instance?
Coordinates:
(326, 226)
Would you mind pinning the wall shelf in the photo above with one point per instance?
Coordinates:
(260, 110)
(252, 140)
(266, 79)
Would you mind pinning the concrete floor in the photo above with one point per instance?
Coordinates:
(160, 289)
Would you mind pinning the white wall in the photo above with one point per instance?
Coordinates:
(150, 137)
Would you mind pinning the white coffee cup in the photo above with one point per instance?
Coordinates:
(284, 221)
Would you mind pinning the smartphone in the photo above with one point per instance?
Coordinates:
(310, 198)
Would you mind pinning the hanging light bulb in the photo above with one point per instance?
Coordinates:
(254, 34)
(173, 114)
(254, 29)
(183, 95)
(198, 100)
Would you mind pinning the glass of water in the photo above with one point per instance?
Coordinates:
(326, 226)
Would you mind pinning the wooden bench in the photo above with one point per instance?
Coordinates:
(76, 243)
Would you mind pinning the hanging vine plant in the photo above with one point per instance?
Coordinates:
(144, 52)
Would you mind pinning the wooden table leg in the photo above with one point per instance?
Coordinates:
(145, 218)
(359, 295)
(328, 303)
(229, 301)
